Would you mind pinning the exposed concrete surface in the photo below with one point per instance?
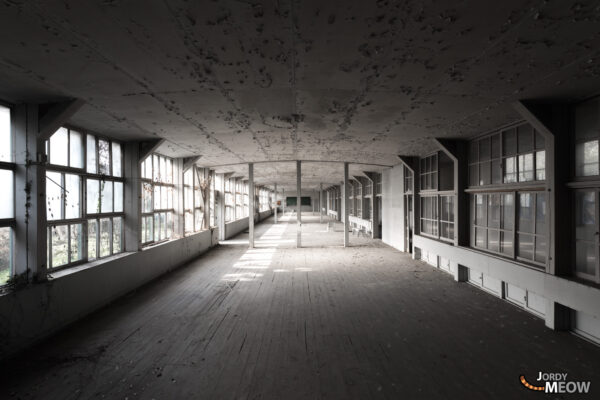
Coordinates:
(357, 81)
(365, 322)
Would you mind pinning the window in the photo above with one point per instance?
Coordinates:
(513, 155)
(587, 121)
(586, 234)
(84, 198)
(429, 215)
(447, 217)
(7, 202)
(212, 215)
(193, 200)
(157, 199)
(246, 206)
(531, 227)
(429, 172)
(229, 201)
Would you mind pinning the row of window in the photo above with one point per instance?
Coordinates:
(236, 199)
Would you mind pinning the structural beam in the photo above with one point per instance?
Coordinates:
(189, 162)
(346, 205)
(56, 115)
(299, 204)
(321, 203)
(250, 205)
(148, 147)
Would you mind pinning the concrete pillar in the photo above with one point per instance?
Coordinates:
(321, 203)
(558, 317)
(30, 232)
(298, 204)
(220, 206)
(178, 206)
(251, 206)
(132, 196)
(206, 198)
(346, 205)
(275, 195)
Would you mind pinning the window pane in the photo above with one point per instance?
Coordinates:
(143, 232)
(199, 215)
(508, 210)
(169, 224)
(118, 189)
(585, 261)
(494, 211)
(189, 221)
(586, 158)
(76, 242)
(105, 237)
(53, 196)
(147, 197)
(525, 246)
(526, 212)
(493, 240)
(540, 249)
(497, 171)
(163, 225)
(506, 243)
(540, 217)
(169, 197)
(169, 171)
(117, 234)
(509, 142)
(484, 173)
(526, 167)
(163, 197)
(116, 159)
(510, 170)
(156, 227)
(103, 157)
(148, 168)
(585, 215)
(149, 228)
(155, 168)
(540, 142)
(72, 190)
(59, 237)
(91, 154)
(92, 235)
(525, 133)
(7, 203)
(480, 210)
(93, 196)
(480, 238)
(5, 253)
(59, 147)
(5, 141)
(540, 165)
(474, 175)
(106, 192)
(163, 169)
(76, 150)
(496, 146)
(157, 197)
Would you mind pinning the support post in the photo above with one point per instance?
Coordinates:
(283, 201)
(275, 195)
(346, 205)
(132, 195)
(220, 200)
(298, 204)
(321, 203)
(251, 206)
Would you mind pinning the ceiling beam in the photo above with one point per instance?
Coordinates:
(56, 116)
(148, 147)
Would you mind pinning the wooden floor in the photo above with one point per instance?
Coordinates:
(325, 322)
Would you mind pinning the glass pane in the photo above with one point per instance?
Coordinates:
(585, 215)
(586, 158)
(155, 168)
(509, 142)
(497, 171)
(506, 243)
(157, 197)
(143, 232)
(7, 203)
(148, 168)
(585, 260)
(540, 214)
(540, 142)
(103, 157)
(156, 227)
(169, 224)
(484, 173)
(147, 197)
(525, 212)
(493, 240)
(474, 175)
(93, 196)
(525, 133)
(76, 242)
(480, 210)
(494, 211)
(117, 234)
(105, 237)
(199, 215)
(118, 188)
(496, 146)
(5, 252)
(59, 147)
(480, 238)
(163, 225)
(540, 165)
(163, 169)
(163, 197)
(53, 195)
(540, 249)
(92, 235)
(525, 246)
(473, 151)
(189, 221)
(116, 159)
(76, 149)
(5, 144)
(149, 228)
(526, 167)
(484, 149)
(510, 170)
(508, 211)
(169, 197)
(91, 154)
(106, 193)
(59, 236)
(72, 198)
(169, 171)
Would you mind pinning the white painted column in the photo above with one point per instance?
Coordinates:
(298, 204)
(346, 205)
(283, 202)
(251, 206)
(275, 196)
(321, 202)
(221, 205)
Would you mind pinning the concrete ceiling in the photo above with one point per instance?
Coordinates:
(238, 81)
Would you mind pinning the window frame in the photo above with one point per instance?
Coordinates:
(10, 222)
(153, 183)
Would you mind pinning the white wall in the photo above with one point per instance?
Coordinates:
(392, 207)
(235, 227)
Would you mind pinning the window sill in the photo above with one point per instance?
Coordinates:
(52, 275)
